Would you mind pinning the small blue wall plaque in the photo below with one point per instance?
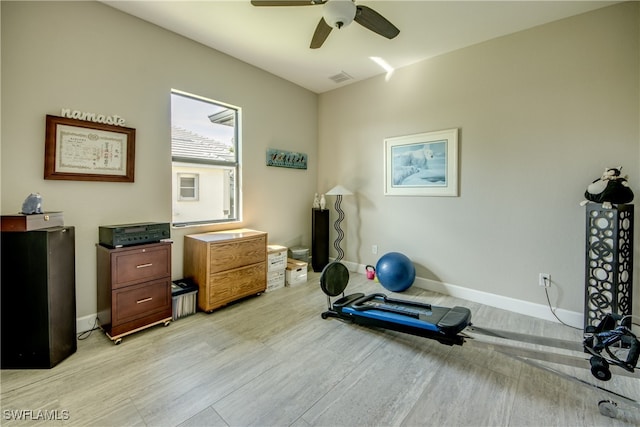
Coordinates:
(286, 159)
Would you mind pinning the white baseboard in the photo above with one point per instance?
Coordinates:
(539, 311)
(86, 323)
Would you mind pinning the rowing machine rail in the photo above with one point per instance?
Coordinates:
(452, 326)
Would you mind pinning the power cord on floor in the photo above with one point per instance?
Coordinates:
(86, 334)
(546, 291)
(631, 322)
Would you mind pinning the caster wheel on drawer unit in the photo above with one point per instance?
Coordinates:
(117, 341)
(167, 323)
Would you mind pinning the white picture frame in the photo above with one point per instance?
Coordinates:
(423, 164)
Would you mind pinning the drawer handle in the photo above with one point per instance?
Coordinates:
(140, 301)
(144, 265)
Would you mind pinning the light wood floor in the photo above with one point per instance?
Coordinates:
(272, 361)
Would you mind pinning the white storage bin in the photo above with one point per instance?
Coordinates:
(296, 272)
(276, 258)
(275, 280)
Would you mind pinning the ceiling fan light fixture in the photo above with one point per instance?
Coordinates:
(339, 13)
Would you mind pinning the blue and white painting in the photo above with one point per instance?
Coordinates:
(419, 165)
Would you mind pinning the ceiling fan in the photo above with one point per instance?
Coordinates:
(338, 14)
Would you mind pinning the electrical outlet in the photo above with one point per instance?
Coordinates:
(544, 280)
(374, 249)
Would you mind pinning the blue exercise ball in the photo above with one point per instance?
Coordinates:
(395, 272)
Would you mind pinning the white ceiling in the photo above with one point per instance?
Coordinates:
(276, 39)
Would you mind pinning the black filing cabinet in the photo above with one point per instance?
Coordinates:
(38, 318)
(319, 238)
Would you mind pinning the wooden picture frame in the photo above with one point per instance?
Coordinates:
(424, 164)
(80, 150)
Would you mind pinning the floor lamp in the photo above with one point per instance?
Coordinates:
(338, 191)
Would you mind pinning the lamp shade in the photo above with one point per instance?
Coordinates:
(338, 190)
(339, 13)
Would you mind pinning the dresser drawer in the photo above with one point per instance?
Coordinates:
(138, 265)
(234, 284)
(142, 300)
(233, 254)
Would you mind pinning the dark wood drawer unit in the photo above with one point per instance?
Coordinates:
(131, 307)
(140, 265)
(134, 288)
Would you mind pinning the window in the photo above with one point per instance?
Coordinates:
(188, 186)
(205, 162)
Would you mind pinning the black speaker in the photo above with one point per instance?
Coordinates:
(38, 288)
(319, 238)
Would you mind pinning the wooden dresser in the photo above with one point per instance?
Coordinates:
(226, 265)
(134, 288)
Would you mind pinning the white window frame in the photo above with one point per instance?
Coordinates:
(235, 165)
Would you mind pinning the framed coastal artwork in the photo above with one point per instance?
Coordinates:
(424, 164)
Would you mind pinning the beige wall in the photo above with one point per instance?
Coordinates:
(541, 113)
(89, 57)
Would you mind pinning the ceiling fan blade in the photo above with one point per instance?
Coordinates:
(320, 35)
(375, 22)
(287, 2)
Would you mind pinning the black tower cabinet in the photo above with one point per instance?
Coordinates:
(319, 238)
(38, 288)
(609, 262)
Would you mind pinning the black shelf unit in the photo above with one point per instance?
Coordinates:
(319, 239)
(38, 319)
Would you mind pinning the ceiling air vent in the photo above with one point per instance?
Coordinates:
(341, 77)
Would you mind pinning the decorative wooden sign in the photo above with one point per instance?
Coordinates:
(286, 159)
